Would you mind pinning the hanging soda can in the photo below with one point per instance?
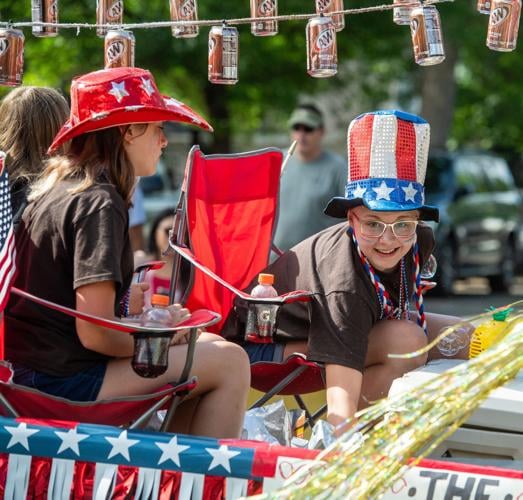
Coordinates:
(503, 24)
(401, 15)
(223, 55)
(427, 40)
(184, 10)
(11, 57)
(327, 6)
(108, 12)
(44, 11)
(119, 49)
(261, 9)
(483, 6)
(322, 58)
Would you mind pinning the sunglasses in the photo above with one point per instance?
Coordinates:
(305, 128)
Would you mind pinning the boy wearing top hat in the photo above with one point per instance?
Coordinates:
(364, 271)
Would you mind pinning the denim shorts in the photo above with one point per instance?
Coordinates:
(264, 352)
(82, 386)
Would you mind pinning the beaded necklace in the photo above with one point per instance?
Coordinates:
(387, 309)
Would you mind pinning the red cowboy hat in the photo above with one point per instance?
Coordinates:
(119, 96)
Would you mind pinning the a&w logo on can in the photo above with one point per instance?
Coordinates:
(266, 8)
(414, 23)
(53, 8)
(115, 50)
(324, 40)
(187, 8)
(115, 10)
(498, 15)
(4, 44)
(323, 4)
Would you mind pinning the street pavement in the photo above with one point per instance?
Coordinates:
(471, 297)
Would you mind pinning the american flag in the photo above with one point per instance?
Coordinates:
(7, 239)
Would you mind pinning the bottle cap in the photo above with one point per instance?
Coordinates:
(266, 279)
(160, 300)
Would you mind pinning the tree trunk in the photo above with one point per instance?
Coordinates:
(438, 92)
(216, 97)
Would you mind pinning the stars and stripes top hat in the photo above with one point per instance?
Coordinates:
(387, 155)
(120, 96)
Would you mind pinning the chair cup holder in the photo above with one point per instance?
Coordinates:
(262, 321)
(151, 353)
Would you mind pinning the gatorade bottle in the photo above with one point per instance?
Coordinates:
(151, 350)
(261, 317)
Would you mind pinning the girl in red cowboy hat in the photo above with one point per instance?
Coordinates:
(362, 272)
(73, 248)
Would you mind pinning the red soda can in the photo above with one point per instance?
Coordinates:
(322, 57)
(483, 6)
(11, 57)
(261, 9)
(401, 14)
(119, 49)
(44, 11)
(327, 6)
(427, 40)
(223, 55)
(108, 12)
(503, 25)
(184, 10)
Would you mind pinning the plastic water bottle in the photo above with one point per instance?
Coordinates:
(261, 317)
(151, 350)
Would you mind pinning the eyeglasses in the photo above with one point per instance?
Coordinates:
(376, 228)
(305, 128)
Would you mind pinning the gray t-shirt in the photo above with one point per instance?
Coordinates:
(305, 190)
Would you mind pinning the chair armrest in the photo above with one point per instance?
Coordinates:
(202, 318)
(298, 295)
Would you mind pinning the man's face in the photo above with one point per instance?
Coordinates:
(383, 252)
(308, 138)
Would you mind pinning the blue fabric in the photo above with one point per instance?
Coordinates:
(403, 115)
(264, 352)
(82, 386)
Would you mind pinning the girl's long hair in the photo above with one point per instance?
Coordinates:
(93, 157)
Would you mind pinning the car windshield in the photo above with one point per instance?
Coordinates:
(439, 175)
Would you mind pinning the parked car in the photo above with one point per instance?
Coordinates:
(481, 213)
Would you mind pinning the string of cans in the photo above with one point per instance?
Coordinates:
(223, 52)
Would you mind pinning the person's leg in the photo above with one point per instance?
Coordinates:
(389, 337)
(223, 375)
(436, 323)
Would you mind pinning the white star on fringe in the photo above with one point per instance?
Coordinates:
(359, 191)
(221, 456)
(70, 440)
(383, 192)
(171, 451)
(410, 192)
(121, 445)
(118, 90)
(20, 435)
(147, 86)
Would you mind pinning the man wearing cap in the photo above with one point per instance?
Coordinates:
(363, 272)
(310, 179)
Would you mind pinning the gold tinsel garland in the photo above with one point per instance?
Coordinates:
(368, 459)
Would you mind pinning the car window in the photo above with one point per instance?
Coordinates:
(498, 174)
(439, 175)
(470, 174)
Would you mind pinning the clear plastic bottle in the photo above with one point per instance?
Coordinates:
(151, 350)
(261, 317)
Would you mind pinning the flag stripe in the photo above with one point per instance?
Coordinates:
(359, 144)
(406, 149)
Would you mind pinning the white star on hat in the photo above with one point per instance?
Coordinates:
(383, 192)
(221, 456)
(410, 192)
(121, 445)
(171, 451)
(20, 435)
(147, 86)
(118, 90)
(70, 439)
(173, 102)
(359, 191)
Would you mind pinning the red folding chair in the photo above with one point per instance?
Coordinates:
(224, 227)
(21, 401)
